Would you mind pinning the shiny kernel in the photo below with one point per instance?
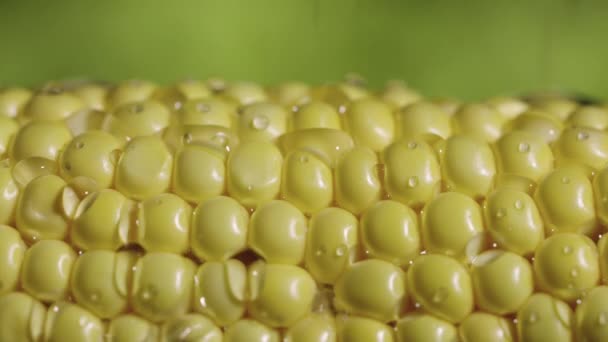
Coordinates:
(279, 295)
(246, 330)
(129, 92)
(8, 128)
(69, 322)
(40, 139)
(190, 328)
(12, 101)
(306, 181)
(12, 250)
(129, 328)
(509, 107)
(92, 95)
(412, 174)
(144, 168)
(277, 232)
(442, 286)
(389, 231)
(245, 93)
(481, 327)
(478, 120)
(560, 108)
(162, 286)
(9, 193)
(328, 144)
(566, 265)
(544, 318)
(315, 327)
(372, 288)
(541, 124)
(46, 268)
(102, 221)
(467, 165)
(262, 121)
(565, 200)
(163, 224)
(423, 327)
(52, 105)
(181, 92)
(513, 221)
(589, 117)
(583, 146)
(340, 95)
(219, 291)
(331, 244)
(99, 281)
(361, 329)
(452, 224)
(370, 122)
(199, 173)
(206, 111)
(422, 119)
(21, 318)
(315, 114)
(502, 281)
(398, 95)
(291, 93)
(591, 317)
(357, 180)
(137, 119)
(93, 155)
(38, 216)
(219, 229)
(254, 173)
(84, 121)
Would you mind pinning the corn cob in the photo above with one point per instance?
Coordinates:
(210, 211)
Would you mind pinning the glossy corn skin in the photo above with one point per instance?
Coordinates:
(228, 211)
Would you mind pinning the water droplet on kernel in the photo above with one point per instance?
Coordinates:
(342, 109)
(187, 138)
(532, 318)
(79, 145)
(340, 250)
(582, 136)
(567, 250)
(565, 180)
(203, 302)
(523, 147)
(440, 295)
(501, 212)
(259, 123)
(412, 145)
(94, 297)
(412, 182)
(249, 187)
(148, 294)
(519, 205)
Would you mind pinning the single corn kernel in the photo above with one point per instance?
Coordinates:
(370, 123)
(40, 139)
(452, 224)
(144, 168)
(467, 165)
(84, 121)
(8, 129)
(513, 221)
(219, 291)
(37, 215)
(93, 95)
(254, 173)
(560, 108)
(441, 286)
(219, 229)
(129, 328)
(328, 144)
(481, 326)
(602, 246)
(478, 120)
(279, 295)
(9, 193)
(422, 119)
(245, 93)
(389, 231)
(340, 95)
(100, 281)
(102, 221)
(315, 114)
(206, 111)
(331, 244)
(190, 328)
(589, 117)
(448, 105)
(176, 95)
(25, 170)
(46, 268)
(21, 317)
(362, 329)
(250, 330)
(583, 146)
(277, 232)
(306, 182)
(509, 107)
(291, 93)
(92, 154)
(12, 101)
(315, 327)
(137, 119)
(162, 286)
(12, 250)
(199, 173)
(539, 123)
(53, 105)
(163, 224)
(357, 180)
(591, 317)
(69, 322)
(372, 288)
(423, 327)
(412, 174)
(502, 281)
(398, 95)
(544, 318)
(129, 92)
(565, 200)
(566, 265)
(262, 121)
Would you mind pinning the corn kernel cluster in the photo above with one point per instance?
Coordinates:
(216, 211)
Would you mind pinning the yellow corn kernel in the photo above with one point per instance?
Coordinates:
(539, 123)
(93, 95)
(411, 172)
(340, 95)
(566, 265)
(328, 144)
(544, 318)
(361, 329)
(206, 111)
(279, 295)
(478, 120)
(100, 281)
(277, 233)
(389, 231)
(8, 128)
(245, 93)
(291, 93)
(219, 291)
(356, 180)
(53, 104)
(397, 94)
(84, 121)
(254, 173)
(315, 114)
(591, 317)
(9, 193)
(129, 92)
(441, 286)
(423, 119)
(560, 108)
(21, 317)
(370, 123)
(45, 273)
(163, 224)
(199, 173)
(481, 326)
(190, 328)
(12, 250)
(129, 328)
(177, 94)
(40, 139)
(137, 119)
(423, 327)
(589, 117)
(509, 107)
(250, 330)
(69, 322)
(315, 327)
(12, 101)
(162, 286)
(306, 181)
(583, 146)
(331, 244)
(262, 121)
(144, 168)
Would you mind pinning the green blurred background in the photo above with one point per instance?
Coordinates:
(470, 49)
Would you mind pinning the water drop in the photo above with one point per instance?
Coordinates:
(494, 245)
(412, 145)
(532, 318)
(523, 147)
(67, 166)
(412, 182)
(582, 136)
(567, 250)
(342, 109)
(94, 297)
(187, 138)
(519, 204)
(203, 302)
(177, 105)
(602, 318)
(340, 251)
(565, 180)
(202, 107)
(440, 295)
(501, 212)
(259, 123)
(148, 294)
(79, 145)
(249, 187)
